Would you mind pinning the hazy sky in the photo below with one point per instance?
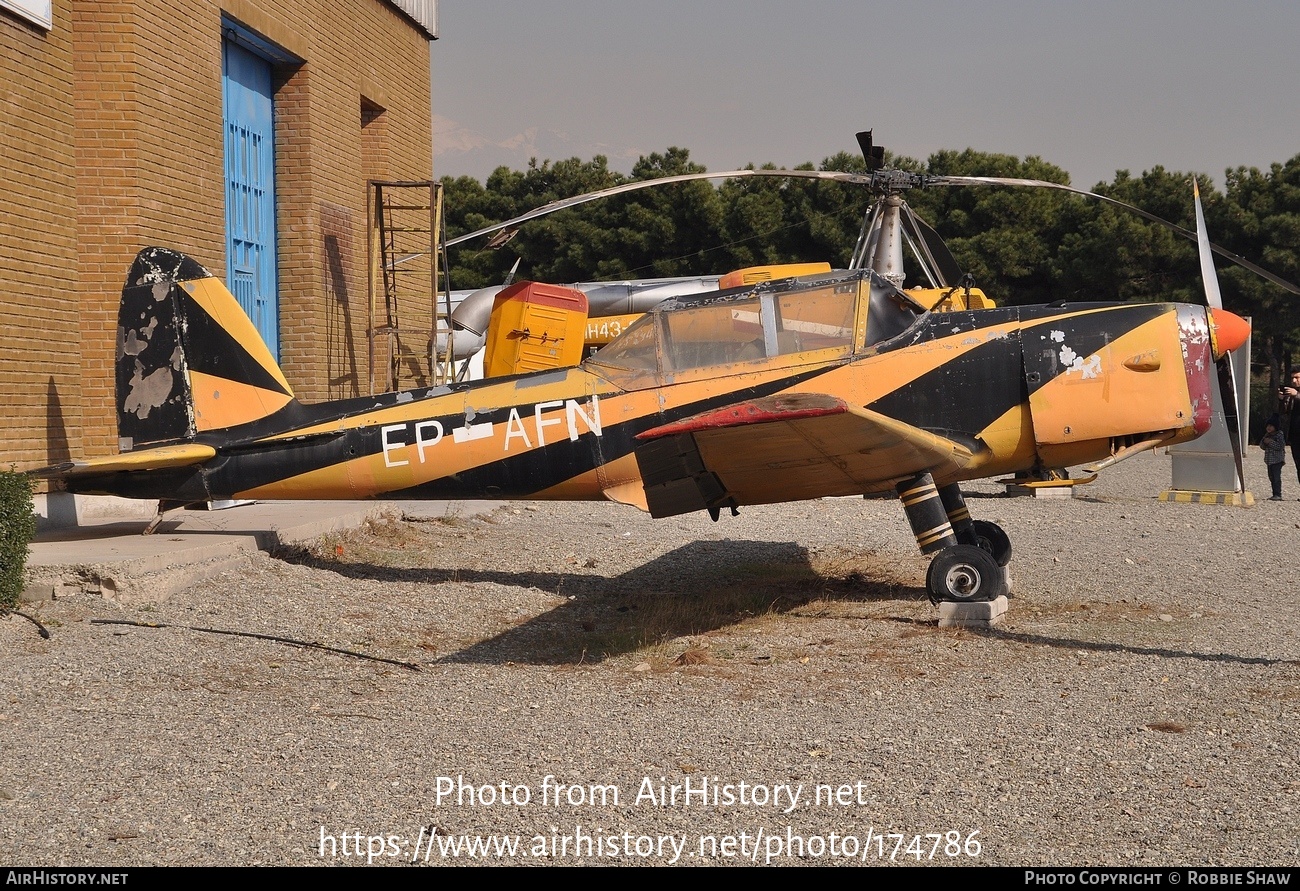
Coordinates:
(1091, 86)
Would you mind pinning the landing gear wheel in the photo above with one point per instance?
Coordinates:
(966, 574)
(990, 537)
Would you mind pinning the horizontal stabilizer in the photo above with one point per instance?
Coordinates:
(146, 459)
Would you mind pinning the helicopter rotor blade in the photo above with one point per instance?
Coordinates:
(881, 181)
(563, 204)
(1186, 233)
(874, 155)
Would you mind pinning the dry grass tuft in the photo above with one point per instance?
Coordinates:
(1167, 727)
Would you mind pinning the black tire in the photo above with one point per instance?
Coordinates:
(992, 538)
(965, 574)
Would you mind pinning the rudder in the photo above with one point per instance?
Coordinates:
(188, 358)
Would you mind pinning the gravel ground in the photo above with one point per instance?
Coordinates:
(1137, 707)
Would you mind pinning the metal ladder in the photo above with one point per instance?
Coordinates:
(406, 264)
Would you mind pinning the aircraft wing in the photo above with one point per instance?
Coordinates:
(146, 459)
(785, 448)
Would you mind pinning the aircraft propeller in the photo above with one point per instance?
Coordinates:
(1221, 338)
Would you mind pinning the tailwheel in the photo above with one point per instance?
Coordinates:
(991, 537)
(965, 573)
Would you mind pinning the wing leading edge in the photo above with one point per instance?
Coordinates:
(786, 448)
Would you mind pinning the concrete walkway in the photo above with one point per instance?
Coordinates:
(111, 556)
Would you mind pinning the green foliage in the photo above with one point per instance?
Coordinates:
(1004, 236)
(1260, 220)
(1109, 253)
(17, 526)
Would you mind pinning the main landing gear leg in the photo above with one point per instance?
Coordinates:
(926, 514)
(980, 533)
(959, 571)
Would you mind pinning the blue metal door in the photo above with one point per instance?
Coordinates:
(250, 189)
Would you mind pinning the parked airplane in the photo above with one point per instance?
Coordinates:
(832, 384)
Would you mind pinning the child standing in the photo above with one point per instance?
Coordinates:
(1274, 446)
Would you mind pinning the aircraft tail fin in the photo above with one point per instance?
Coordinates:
(189, 360)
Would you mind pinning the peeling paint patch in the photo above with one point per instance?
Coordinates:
(135, 341)
(1058, 336)
(405, 397)
(1072, 361)
(147, 392)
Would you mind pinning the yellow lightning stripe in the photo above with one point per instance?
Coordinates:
(483, 399)
(225, 310)
(411, 465)
(371, 474)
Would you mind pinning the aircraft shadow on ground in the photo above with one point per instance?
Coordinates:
(1096, 646)
(697, 588)
(1107, 647)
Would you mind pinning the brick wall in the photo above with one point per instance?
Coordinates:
(136, 158)
(40, 365)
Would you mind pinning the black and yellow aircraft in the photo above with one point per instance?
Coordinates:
(832, 384)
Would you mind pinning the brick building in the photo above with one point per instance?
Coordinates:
(242, 132)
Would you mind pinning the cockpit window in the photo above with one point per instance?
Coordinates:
(636, 348)
(713, 335)
(782, 319)
(689, 337)
(816, 320)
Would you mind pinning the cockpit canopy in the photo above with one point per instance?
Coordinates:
(817, 318)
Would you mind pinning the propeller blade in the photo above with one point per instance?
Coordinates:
(1227, 375)
(1208, 276)
(1228, 393)
(1186, 233)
